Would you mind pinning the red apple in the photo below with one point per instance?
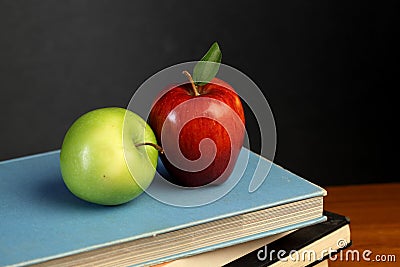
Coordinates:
(201, 129)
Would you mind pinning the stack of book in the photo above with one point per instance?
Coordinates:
(281, 223)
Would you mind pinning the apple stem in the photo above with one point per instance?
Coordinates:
(159, 148)
(194, 87)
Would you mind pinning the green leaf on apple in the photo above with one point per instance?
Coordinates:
(206, 69)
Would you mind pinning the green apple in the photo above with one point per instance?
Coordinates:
(109, 156)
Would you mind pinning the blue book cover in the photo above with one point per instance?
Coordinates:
(42, 221)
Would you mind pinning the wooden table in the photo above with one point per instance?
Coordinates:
(374, 212)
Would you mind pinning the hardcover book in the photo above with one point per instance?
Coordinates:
(305, 247)
(43, 223)
(308, 246)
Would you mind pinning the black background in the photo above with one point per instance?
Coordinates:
(329, 70)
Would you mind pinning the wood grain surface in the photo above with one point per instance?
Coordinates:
(374, 212)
